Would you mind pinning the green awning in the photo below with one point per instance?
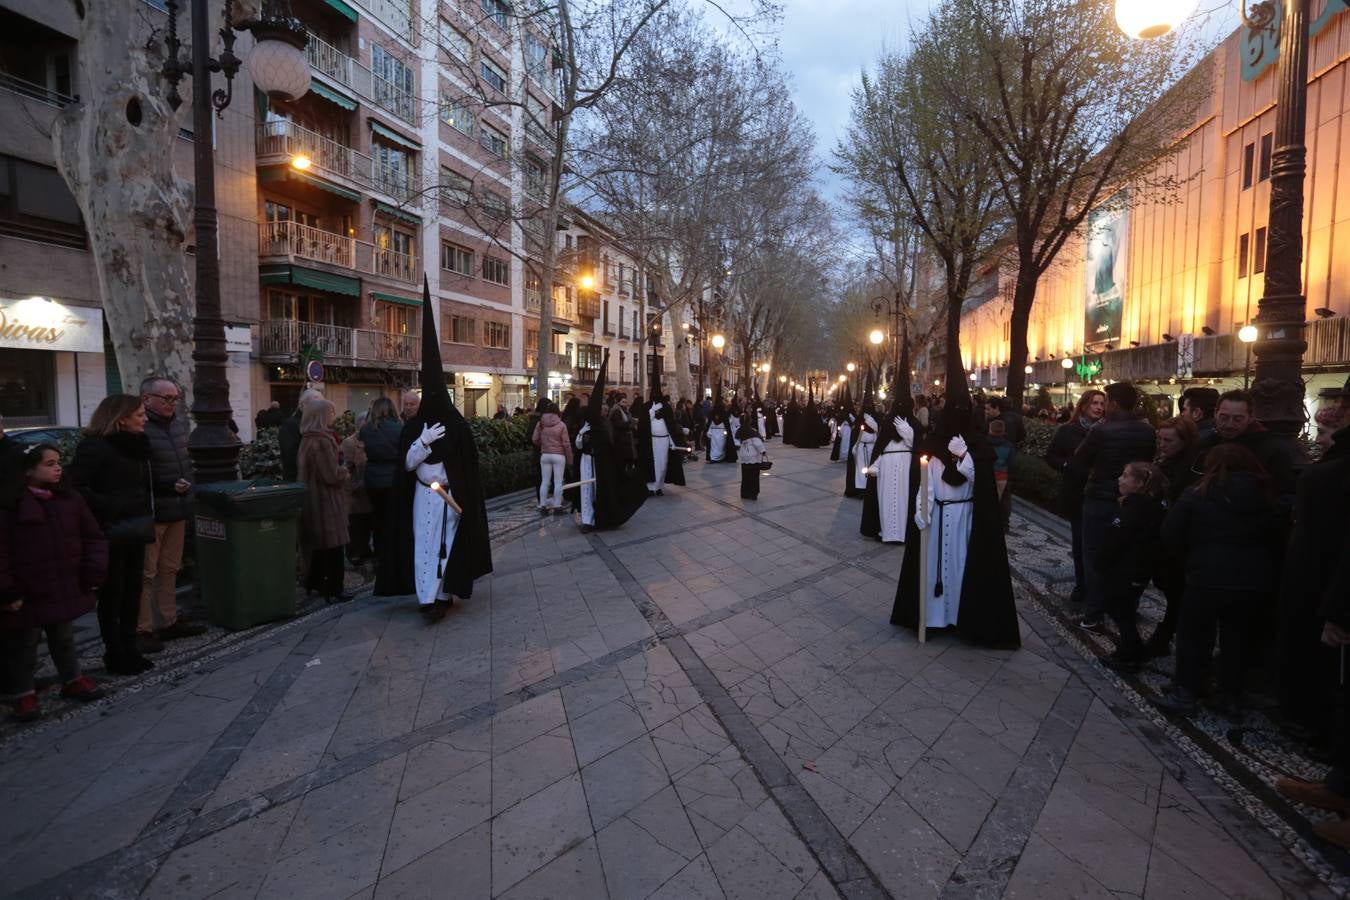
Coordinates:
(561, 327)
(311, 278)
(343, 10)
(332, 96)
(397, 213)
(394, 298)
(282, 172)
(392, 135)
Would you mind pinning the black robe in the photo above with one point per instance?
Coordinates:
(988, 612)
(770, 421)
(675, 459)
(620, 490)
(851, 459)
(470, 557)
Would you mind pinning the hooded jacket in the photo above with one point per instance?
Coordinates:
(551, 436)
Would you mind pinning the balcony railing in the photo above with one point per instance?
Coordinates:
(394, 99)
(284, 138)
(41, 92)
(564, 310)
(291, 239)
(396, 181)
(285, 338)
(295, 241)
(327, 60)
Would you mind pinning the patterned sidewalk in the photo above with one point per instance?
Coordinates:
(706, 703)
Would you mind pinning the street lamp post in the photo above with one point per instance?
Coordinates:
(1066, 364)
(1279, 324)
(279, 68)
(852, 367)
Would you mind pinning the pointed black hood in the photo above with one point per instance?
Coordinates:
(596, 402)
(903, 404)
(867, 399)
(436, 403)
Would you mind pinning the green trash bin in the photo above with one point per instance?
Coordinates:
(246, 550)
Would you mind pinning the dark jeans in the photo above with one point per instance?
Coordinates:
(750, 481)
(1309, 669)
(1123, 607)
(1209, 611)
(1097, 515)
(1339, 777)
(325, 572)
(119, 601)
(1079, 576)
(19, 651)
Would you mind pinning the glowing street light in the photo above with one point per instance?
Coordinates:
(718, 342)
(1248, 335)
(876, 337)
(1152, 18)
(1066, 364)
(851, 367)
(586, 282)
(1027, 369)
(782, 379)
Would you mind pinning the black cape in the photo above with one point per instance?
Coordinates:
(988, 612)
(620, 489)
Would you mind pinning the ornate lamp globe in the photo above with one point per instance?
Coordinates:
(1152, 18)
(277, 64)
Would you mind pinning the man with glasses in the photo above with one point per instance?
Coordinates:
(171, 480)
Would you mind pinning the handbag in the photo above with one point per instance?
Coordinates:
(765, 464)
(135, 529)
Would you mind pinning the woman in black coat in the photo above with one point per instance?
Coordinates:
(1226, 530)
(1176, 458)
(1089, 411)
(380, 437)
(111, 469)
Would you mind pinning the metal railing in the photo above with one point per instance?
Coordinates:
(286, 138)
(295, 241)
(284, 338)
(35, 91)
(396, 181)
(564, 310)
(394, 99)
(1328, 341)
(346, 70)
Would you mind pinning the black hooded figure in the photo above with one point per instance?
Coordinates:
(619, 490)
(770, 418)
(454, 548)
(664, 414)
(792, 421)
(987, 613)
(817, 433)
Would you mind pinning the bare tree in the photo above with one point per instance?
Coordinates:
(1067, 110)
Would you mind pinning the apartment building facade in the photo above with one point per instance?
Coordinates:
(408, 158)
(1157, 287)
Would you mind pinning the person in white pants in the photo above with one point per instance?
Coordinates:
(555, 452)
(661, 445)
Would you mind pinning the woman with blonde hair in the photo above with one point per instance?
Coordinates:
(111, 470)
(323, 519)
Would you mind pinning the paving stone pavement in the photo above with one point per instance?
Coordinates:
(707, 703)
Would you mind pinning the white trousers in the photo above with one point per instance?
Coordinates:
(551, 468)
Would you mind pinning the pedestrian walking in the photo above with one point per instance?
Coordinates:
(1129, 553)
(555, 455)
(111, 470)
(52, 558)
(323, 518)
(1226, 530)
(1088, 412)
(288, 435)
(171, 477)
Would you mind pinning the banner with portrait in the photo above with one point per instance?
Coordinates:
(1108, 231)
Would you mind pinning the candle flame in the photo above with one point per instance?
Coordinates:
(436, 486)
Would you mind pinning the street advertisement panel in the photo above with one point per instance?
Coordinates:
(1108, 229)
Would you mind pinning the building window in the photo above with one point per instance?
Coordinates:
(496, 270)
(393, 169)
(454, 41)
(455, 258)
(1267, 151)
(458, 330)
(1244, 246)
(457, 113)
(495, 78)
(495, 206)
(493, 141)
(536, 177)
(623, 324)
(497, 335)
(456, 190)
(1259, 257)
(1248, 165)
(622, 367)
(589, 356)
(636, 332)
(605, 318)
(393, 82)
(496, 10)
(36, 204)
(536, 58)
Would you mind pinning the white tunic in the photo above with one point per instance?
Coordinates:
(762, 432)
(893, 468)
(661, 444)
(717, 442)
(587, 472)
(845, 435)
(434, 525)
(867, 442)
(948, 545)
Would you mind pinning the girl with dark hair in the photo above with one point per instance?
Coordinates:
(1227, 531)
(111, 470)
(1176, 456)
(1128, 555)
(52, 557)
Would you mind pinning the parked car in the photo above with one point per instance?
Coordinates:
(43, 434)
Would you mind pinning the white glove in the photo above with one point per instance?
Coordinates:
(957, 446)
(432, 433)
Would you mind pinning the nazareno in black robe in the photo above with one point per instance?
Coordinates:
(988, 611)
(620, 490)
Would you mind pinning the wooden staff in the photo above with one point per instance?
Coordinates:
(449, 501)
(923, 551)
(577, 484)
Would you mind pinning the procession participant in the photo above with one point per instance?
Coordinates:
(721, 442)
(770, 414)
(895, 467)
(432, 550)
(657, 433)
(964, 580)
(867, 435)
(610, 492)
(817, 433)
(843, 438)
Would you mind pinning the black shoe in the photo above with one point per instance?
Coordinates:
(1179, 700)
(141, 664)
(1093, 624)
(180, 629)
(1228, 705)
(660, 493)
(587, 529)
(434, 612)
(117, 664)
